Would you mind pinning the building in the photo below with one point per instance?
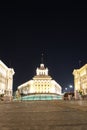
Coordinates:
(6, 80)
(41, 85)
(80, 80)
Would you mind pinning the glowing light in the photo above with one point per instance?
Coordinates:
(65, 88)
(70, 86)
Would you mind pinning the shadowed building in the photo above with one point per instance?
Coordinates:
(42, 85)
(80, 80)
(6, 81)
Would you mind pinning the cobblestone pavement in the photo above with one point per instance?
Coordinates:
(43, 115)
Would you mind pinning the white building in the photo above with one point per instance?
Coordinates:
(6, 80)
(42, 83)
(80, 80)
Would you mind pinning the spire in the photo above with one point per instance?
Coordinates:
(42, 58)
(42, 64)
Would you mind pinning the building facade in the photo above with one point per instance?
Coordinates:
(42, 83)
(6, 80)
(80, 80)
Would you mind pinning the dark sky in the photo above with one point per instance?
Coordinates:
(59, 33)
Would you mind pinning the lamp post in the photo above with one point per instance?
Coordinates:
(65, 89)
(70, 87)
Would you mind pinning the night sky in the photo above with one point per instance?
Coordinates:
(59, 33)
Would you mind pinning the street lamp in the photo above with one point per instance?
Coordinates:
(70, 86)
(65, 88)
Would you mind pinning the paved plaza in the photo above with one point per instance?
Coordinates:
(43, 115)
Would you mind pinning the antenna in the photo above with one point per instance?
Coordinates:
(80, 63)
